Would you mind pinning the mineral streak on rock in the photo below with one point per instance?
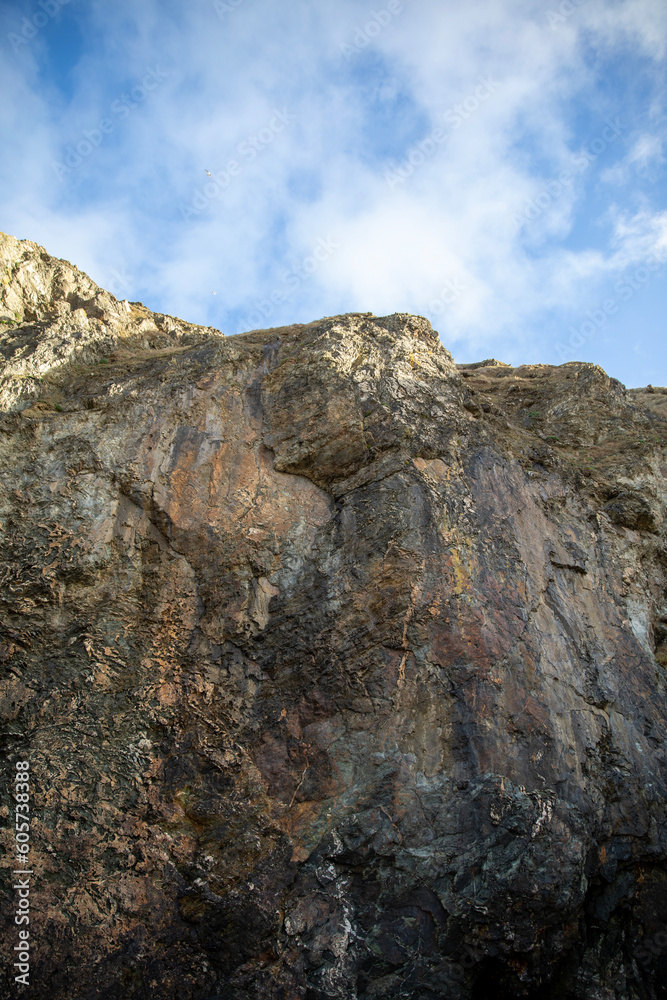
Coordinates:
(340, 667)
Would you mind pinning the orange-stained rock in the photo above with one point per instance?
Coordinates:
(340, 668)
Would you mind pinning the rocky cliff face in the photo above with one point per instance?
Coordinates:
(340, 668)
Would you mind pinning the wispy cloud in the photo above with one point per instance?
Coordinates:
(441, 239)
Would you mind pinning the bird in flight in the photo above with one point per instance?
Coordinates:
(209, 173)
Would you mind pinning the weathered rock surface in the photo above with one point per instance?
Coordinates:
(340, 667)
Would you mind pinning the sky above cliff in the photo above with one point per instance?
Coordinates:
(497, 166)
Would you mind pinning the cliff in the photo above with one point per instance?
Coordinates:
(340, 668)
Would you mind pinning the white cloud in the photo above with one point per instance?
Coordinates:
(639, 237)
(647, 149)
(444, 243)
(644, 159)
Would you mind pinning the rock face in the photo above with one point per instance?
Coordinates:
(340, 668)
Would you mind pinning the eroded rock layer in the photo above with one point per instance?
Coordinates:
(340, 667)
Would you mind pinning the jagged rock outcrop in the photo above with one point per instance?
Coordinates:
(340, 667)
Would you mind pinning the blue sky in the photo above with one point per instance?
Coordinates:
(497, 166)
